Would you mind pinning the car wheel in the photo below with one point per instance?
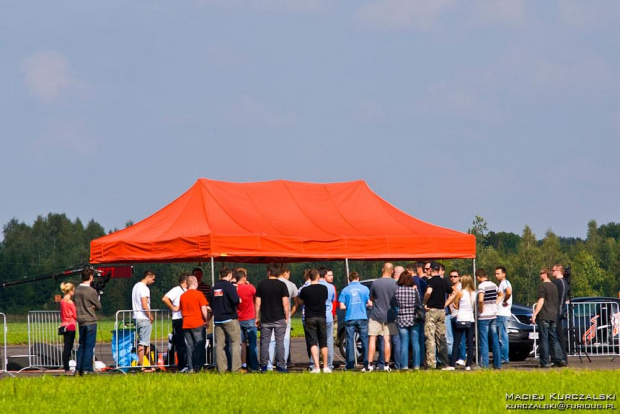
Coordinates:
(343, 346)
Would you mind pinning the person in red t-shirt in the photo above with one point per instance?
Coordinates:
(193, 306)
(68, 315)
(247, 320)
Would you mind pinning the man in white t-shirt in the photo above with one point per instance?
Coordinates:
(487, 320)
(141, 304)
(172, 300)
(504, 306)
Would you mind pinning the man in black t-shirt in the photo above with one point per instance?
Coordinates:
(272, 315)
(563, 296)
(313, 297)
(435, 323)
(545, 317)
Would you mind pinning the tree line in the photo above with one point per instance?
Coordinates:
(54, 243)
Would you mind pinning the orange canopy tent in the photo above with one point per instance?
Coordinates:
(279, 220)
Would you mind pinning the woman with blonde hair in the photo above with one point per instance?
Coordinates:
(465, 303)
(68, 315)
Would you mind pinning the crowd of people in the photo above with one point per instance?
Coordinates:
(417, 316)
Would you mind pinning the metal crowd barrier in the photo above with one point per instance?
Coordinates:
(125, 341)
(3, 354)
(44, 343)
(592, 329)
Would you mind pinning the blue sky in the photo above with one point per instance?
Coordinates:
(448, 109)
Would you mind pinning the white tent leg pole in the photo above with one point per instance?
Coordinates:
(346, 265)
(475, 312)
(212, 284)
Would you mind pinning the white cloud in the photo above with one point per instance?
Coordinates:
(47, 74)
(249, 112)
(223, 56)
(294, 6)
(455, 99)
(500, 11)
(585, 15)
(402, 14)
(370, 110)
(578, 74)
(66, 136)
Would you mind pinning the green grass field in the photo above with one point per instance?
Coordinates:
(424, 391)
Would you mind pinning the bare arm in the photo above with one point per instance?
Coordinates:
(427, 295)
(500, 297)
(344, 307)
(480, 301)
(169, 304)
(145, 306)
(205, 313)
(294, 308)
(539, 305)
(257, 310)
(286, 303)
(508, 295)
(457, 299)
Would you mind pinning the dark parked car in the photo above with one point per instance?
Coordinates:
(520, 331)
(595, 322)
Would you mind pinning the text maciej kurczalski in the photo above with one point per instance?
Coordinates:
(560, 397)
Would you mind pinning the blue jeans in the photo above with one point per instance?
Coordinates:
(409, 335)
(422, 339)
(449, 335)
(195, 341)
(361, 327)
(86, 348)
(486, 327)
(502, 333)
(396, 351)
(548, 342)
(249, 335)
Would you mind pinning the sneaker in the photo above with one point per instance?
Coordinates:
(316, 371)
(327, 370)
(467, 368)
(184, 370)
(370, 369)
(448, 369)
(386, 369)
(363, 370)
(460, 362)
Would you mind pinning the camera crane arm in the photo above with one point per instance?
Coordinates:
(106, 272)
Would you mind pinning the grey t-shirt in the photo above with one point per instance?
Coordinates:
(383, 291)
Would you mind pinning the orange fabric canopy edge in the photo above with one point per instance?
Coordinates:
(280, 220)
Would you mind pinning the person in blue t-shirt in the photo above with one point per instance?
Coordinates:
(355, 298)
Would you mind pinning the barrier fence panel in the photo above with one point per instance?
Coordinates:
(3, 334)
(591, 329)
(125, 340)
(44, 343)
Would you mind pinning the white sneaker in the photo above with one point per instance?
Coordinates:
(467, 368)
(387, 369)
(448, 369)
(460, 362)
(327, 370)
(316, 371)
(370, 369)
